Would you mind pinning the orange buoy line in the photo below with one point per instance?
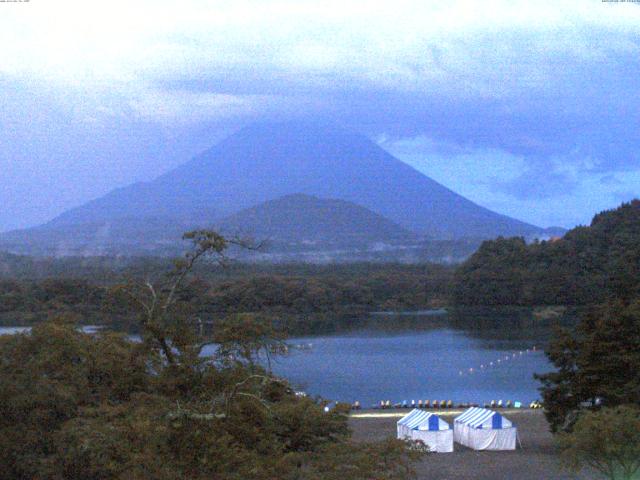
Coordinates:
(497, 362)
(446, 404)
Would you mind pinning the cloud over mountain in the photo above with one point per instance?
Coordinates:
(552, 85)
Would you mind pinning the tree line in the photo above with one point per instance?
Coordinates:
(307, 298)
(75, 406)
(585, 267)
(592, 397)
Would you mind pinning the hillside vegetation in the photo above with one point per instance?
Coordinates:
(587, 266)
(307, 297)
(78, 406)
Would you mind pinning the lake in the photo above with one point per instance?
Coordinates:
(14, 330)
(424, 355)
(432, 365)
(419, 356)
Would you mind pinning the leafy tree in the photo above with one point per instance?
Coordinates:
(47, 378)
(608, 441)
(376, 461)
(76, 406)
(243, 337)
(584, 267)
(596, 364)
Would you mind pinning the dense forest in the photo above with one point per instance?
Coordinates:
(591, 397)
(77, 406)
(587, 266)
(304, 298)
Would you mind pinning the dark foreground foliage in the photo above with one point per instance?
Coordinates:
(607, 441)
(79, 406)
(597, 364)
(75, 406)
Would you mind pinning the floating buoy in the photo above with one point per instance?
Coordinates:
(512, 355)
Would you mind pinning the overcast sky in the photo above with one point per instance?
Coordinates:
(529, 108)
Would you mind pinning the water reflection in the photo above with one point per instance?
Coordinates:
(441, 364)
(465, 355)
(15, 330)
(470, 355)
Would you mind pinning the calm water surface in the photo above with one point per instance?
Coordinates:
(432, 364)
(419, 360)
(14, 330)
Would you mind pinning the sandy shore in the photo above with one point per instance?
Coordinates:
(537, 460)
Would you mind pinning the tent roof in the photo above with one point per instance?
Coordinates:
(477, 417)
(421, 420)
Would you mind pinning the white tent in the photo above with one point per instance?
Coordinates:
(483, 429)
(427, 427)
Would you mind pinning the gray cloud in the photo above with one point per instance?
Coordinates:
(551, 90)
(537, 182)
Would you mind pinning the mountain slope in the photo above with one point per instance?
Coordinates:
(293, 223)
(258, 164)
(266, 161)
(308, 220)
(118, 236)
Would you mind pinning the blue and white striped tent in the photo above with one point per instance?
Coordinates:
(483, 429)
(427, 427)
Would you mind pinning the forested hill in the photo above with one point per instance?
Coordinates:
(584, 267)
(299, 218)
(305, 298)
(261, 163)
